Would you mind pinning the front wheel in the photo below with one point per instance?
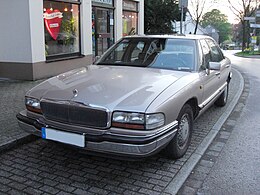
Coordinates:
(222, 100)
(180, 143)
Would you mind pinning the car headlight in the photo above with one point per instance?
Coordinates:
(33, 104)
(138, 121)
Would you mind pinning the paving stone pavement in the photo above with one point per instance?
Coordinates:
(11, 102)
(45, 167)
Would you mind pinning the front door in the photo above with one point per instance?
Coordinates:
(102, 29)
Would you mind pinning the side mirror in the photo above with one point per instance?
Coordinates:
(214, 66)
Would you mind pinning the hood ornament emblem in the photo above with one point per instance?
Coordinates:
(75, 92)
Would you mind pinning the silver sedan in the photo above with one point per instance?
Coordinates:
(140, 97)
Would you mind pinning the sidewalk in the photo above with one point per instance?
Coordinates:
(11, 102)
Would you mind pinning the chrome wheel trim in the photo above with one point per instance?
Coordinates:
(183, 131)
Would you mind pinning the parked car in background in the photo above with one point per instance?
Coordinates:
(140, 97)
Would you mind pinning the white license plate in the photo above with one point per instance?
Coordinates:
(64, 137)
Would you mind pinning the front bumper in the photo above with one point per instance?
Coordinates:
(111, 143)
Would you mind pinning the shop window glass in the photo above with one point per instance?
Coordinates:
(61, 24)
(130, 23)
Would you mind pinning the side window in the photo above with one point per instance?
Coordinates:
(206, 54)
(216, 54)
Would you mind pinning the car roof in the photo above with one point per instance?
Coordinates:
(171, 36)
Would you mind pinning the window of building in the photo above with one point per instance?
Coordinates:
(130, 17)
(62, 29)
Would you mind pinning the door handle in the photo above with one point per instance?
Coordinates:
(217, 73)
(227, 66)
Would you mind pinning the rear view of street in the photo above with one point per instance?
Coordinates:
(236, 170)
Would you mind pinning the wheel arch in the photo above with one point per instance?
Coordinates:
(193, 102)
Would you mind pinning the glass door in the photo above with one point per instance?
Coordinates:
(102, 30)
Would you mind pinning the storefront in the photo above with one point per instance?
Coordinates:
(48, 37)
(102, 26)
(61, 29)
(130, 17)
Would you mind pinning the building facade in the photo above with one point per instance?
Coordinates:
(39, 39)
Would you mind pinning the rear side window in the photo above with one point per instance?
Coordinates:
(215, 53)
(206, 54)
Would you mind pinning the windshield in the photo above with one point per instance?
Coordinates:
(173, 54)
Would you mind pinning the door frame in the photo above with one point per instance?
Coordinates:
(98, 35)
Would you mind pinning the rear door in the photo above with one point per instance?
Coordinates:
(217, 56)
(208, 78)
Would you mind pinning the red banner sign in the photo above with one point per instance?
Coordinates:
(52, 20)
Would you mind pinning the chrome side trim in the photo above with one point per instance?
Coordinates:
(161, 130)
(168, 127)
(203, 104)
(172, 125)
(131, 149)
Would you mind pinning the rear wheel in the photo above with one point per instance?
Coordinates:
(222, 100)
(180, 143)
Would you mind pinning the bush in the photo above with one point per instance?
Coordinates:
(247, 50)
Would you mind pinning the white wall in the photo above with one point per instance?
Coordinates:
(118, 19)
(37, 31)
(21, 32)
(15, 36)
(141, 17)
(86, 27)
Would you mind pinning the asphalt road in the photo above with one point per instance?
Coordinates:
(237, 169)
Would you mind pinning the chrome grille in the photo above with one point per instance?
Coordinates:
(74, 113)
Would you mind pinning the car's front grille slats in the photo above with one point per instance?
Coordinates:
(74, 113)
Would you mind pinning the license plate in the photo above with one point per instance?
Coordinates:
(64, 137)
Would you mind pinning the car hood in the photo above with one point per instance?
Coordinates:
(112, 87)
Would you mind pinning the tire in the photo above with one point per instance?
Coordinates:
(222, 100)
(181, 141)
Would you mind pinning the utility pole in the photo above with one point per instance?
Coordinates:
(181, 19)
(182, 4)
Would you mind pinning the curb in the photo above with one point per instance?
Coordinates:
(249, 57)
(179, 179)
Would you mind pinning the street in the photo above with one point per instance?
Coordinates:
(236, 169)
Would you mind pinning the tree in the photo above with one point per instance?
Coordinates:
(220, 22)
(237, 36)
(247, 10)
(197, 11)
(197, 8)
(159, 14)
